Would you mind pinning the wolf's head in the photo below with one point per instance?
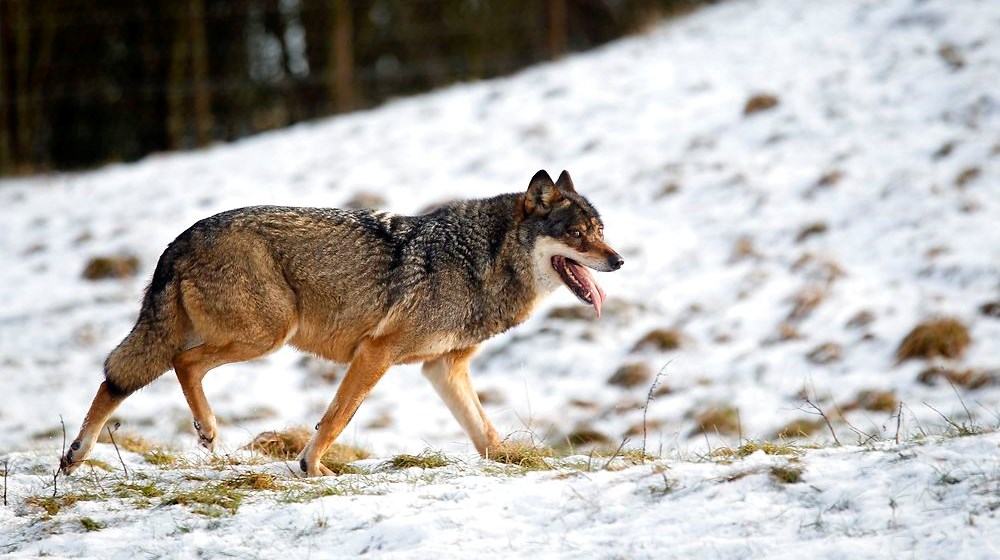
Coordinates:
(568, 235)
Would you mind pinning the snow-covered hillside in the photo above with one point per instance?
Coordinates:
(795, 186)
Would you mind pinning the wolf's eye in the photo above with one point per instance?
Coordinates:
(576, 233)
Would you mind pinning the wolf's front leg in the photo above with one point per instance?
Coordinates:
(450, 377)
(371, 360)
(105, 403)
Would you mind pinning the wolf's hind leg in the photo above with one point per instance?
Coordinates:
(105, 402)
(191, 367)
(371, 360)
(450, 377)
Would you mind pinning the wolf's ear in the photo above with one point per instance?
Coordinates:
(542, 194)
(565, 182)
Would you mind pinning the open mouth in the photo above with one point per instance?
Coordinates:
(579, 281)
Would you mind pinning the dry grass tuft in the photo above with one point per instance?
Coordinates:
(786, 474)
(784, 333)
(966, 176)
(118, 266)
(253, 481)
(760, 102)
(860, 319)
(524, 455)
(572, 313)
(800, 428)
(661, 340)
(669, 189)
(426, 460)
(586, 436)
(631, 375)
(818, 269)
(830, 178)
(826, 353)
(743, 248)
(160, 457)
(967, 378)
(817, 228)
(287, 445)
(127, 441)
(365, 199)
(751, 447)
(876, 401)
(805, 301)
(53, 504)
(723, 419)
(89, 524)
(991, 309)
(211, 500)
(951, 56)
(936, 338)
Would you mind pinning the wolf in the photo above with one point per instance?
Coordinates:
(363, 287)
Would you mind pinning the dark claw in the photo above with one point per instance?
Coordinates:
(302, 465)
(197, 425)
(66, 462)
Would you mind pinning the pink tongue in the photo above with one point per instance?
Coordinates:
(596, 293)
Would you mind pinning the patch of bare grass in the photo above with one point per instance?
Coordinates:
(210, 500)
(759, 102)
(631, 375)
(52, 505)
(115, 266)
(661, 340)
(826, 353)
(365, 199)
(991, 309)
(426, 460)
(860, 319)
(786, 474)
(253, 481)
(751, 447)
(804, 302)
(800, 428)
(743, 249)
(811, 230)
(527, 456)
(943, 337)
(873, 400)
(287, 444)
(721, 418)
(160, 457)
(966, 176)
(585, 435)
(968, 378)
(127, 441)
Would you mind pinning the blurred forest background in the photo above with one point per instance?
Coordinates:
(84, 82)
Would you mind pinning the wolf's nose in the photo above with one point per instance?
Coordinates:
(615, 261)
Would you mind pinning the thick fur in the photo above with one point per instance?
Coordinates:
(354, 286)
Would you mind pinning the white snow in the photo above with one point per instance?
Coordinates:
(863, 91)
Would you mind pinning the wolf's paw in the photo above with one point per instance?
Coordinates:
(206, 435)
(67, 464)
(312, 471)
(206, 441)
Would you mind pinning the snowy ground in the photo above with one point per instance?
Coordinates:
(871, 188)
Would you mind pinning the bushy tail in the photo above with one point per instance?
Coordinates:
(147, 352)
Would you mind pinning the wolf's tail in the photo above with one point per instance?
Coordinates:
(148, 350)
